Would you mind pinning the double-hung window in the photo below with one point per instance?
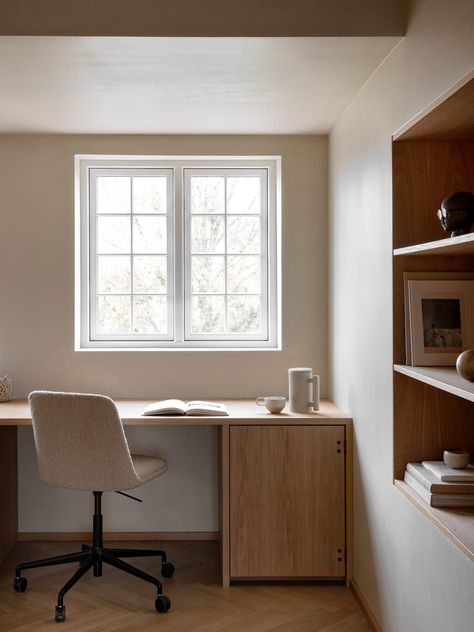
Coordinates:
(177, 253)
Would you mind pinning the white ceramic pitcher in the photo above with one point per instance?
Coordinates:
(303, 390)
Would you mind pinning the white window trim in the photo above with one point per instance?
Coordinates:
(83, 163)
(264, 254)
(93, 217)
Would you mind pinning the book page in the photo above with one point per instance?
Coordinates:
(197, 407)
(445, 473)
(166, 407)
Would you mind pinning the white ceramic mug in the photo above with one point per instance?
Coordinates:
(273, 403)
(304, 390)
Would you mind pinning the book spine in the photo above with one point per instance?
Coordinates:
(423, 481)
(438, 500)
(432, 470)
(417, 487)
(441, 487)
(445, 500)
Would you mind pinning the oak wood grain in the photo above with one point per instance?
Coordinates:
(224, 504)
(115, 536)
(432, 157)
(243, 412)
(349, 465)
(287, 502)
(117, 602)
(17, 413)
(442, 377)
(428, 420)
(8, 490)
(424, 173)
(449, 118)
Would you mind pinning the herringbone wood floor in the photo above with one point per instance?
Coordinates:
(119, 602)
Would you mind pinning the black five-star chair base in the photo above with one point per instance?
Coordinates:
(93, 556)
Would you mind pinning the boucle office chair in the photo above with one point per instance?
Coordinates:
(81, 445)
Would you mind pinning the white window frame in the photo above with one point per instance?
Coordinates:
(262, 174)
(93, 218)
(180, 337)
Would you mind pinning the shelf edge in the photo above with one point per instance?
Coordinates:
(433, 381)
(438, 247)
(428, 511)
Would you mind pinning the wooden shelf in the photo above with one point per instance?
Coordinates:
(462, 245)
(450, 117)
(433, 407)
(457, 524)
(444, 378)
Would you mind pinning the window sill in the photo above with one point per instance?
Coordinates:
(173, 349)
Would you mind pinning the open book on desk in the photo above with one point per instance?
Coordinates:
(178, 407)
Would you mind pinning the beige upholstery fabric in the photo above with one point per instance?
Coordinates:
(81, 444)
(146, 466)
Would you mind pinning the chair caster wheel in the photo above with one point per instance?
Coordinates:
(167, 569)
(60, 614)
(20, 584)
(162, 604)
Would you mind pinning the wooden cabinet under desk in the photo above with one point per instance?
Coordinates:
(284, 487)
(287, 501)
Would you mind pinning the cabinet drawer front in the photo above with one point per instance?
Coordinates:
(287, 504)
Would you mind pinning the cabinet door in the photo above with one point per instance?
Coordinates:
(287, 504)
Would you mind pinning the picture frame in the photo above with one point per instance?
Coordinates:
(425, 276)
(440, 323)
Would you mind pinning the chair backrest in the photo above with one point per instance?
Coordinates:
(80, 442)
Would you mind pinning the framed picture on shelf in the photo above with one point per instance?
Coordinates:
(440, 319)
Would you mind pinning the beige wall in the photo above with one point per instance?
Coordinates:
(37, 298)
(413, 578)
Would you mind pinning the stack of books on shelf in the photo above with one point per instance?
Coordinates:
(441, 486)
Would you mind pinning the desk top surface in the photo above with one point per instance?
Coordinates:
(242, 411)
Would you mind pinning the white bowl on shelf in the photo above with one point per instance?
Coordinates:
(456, 459)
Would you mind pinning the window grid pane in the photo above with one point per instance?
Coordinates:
(243, 293)
(207, 193)
(113, 194)
(113, 314)
(243, 195)
(214, 241)
(129, 282)
(244, 313)
(113, 274)
(149, 194)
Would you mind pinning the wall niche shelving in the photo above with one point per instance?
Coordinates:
(432, 156)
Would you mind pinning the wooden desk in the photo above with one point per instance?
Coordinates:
(268, 463)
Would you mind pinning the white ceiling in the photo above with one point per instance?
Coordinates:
(182, 85)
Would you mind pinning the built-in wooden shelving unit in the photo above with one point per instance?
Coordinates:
(444, 378)
(432, 157)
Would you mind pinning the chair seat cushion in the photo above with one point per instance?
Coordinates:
(148, 467)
